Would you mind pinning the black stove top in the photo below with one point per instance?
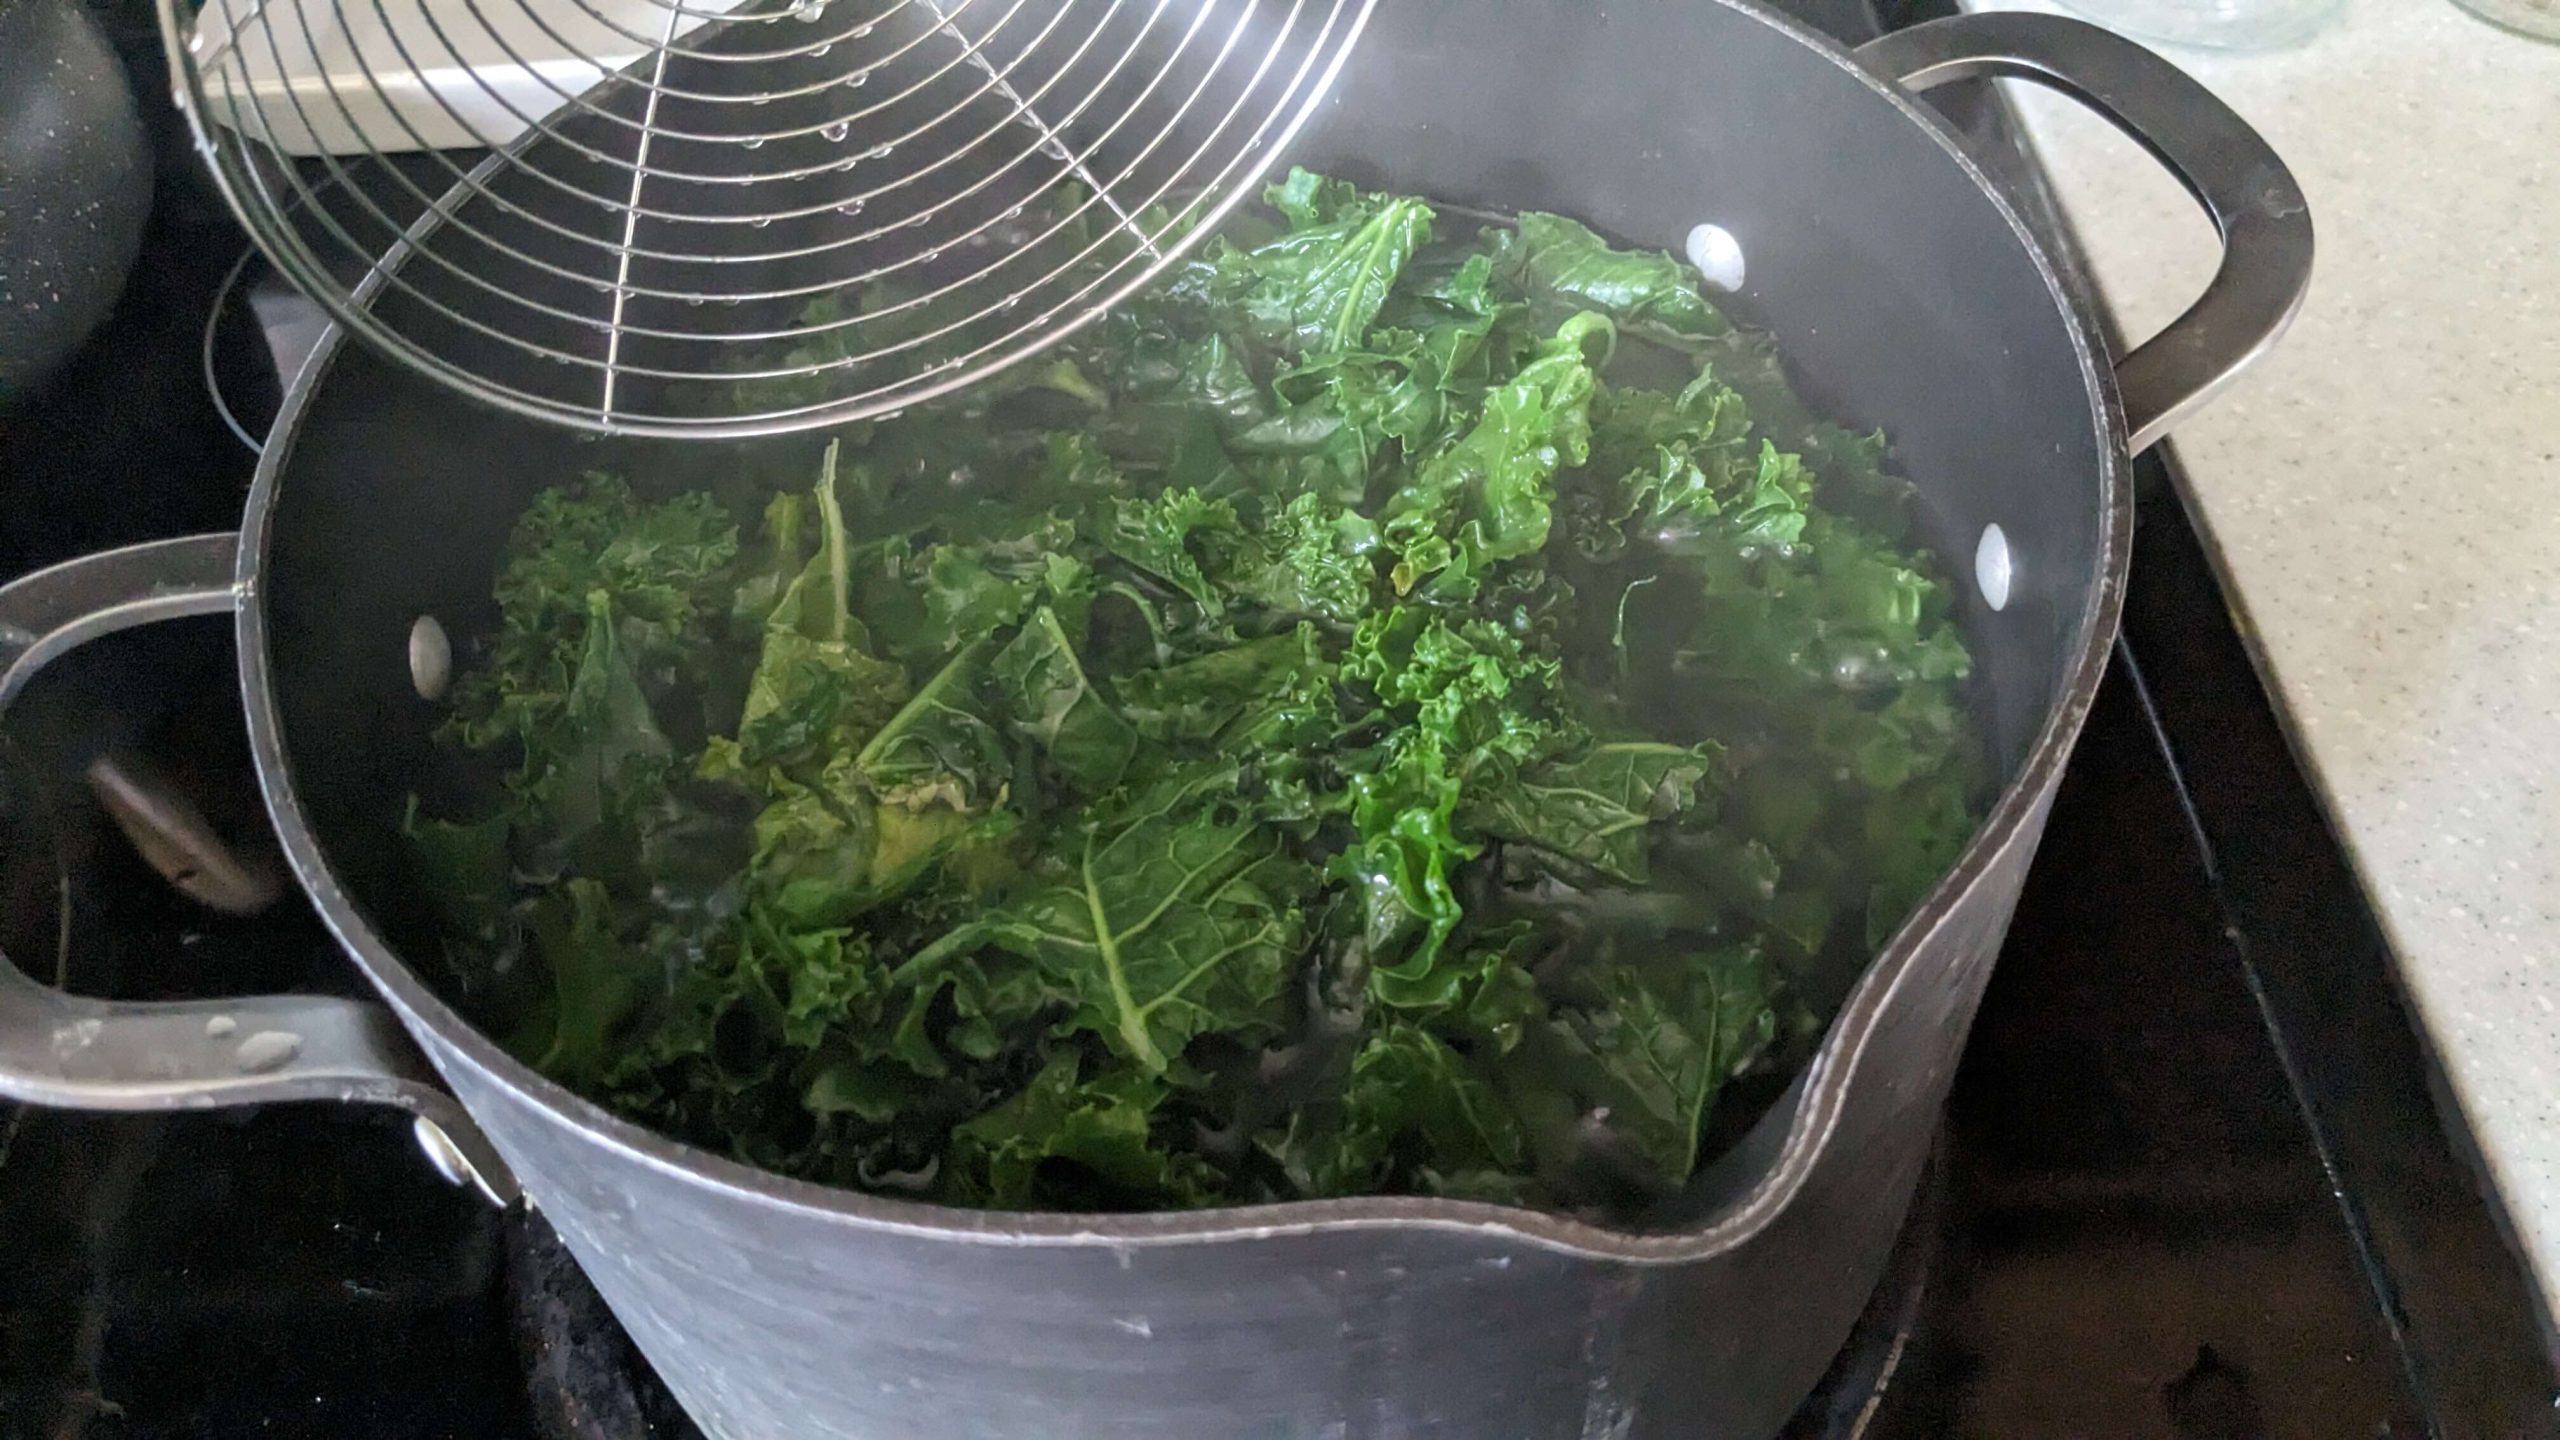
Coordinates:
(2192, 1182)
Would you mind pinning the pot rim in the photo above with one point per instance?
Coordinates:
(1821, 1089)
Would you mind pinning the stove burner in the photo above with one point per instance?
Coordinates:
(1851, 1398)
(588, 1382)
(586, 1379)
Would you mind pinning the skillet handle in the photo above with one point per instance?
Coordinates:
(2242, 185)
(75, 1053)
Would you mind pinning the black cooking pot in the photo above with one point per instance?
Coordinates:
(75, 186)
(1913, 299)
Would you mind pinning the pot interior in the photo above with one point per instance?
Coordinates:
(1897, 288)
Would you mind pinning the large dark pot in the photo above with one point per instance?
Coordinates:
(75, 186)
(1913, 298)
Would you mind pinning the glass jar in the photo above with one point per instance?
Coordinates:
(2537, 18)
(2225, 24)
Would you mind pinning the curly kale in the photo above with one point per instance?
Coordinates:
(1332, 729)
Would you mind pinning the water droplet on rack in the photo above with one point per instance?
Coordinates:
(877, 152)
(753, 142)
(850, 207)
(760, 222)
(821, 48)
(1015, 213)
(932, 255)
(809, 12)
(693, 299)
(863, 30)
(836, 130)
(1010, 302)
(857, 79)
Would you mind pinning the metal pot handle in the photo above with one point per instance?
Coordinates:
(2242, 185)
(75, 1053)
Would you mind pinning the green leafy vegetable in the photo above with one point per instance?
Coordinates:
(1390, 710)
(1169, 916)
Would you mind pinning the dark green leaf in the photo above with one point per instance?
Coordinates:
(1101, 1127)
(1174, 912)
(1656, 1044)
(1055, 704)
(596, 980)
(1276, 689)
(1413, 1108)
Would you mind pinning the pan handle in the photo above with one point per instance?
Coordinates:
(2242, 185)
(71, 1052)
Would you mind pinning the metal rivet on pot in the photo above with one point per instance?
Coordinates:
(430, 658)
(445, 1156)
(1717, 255)
(1992, 568)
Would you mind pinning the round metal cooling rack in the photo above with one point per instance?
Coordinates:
(736, 217)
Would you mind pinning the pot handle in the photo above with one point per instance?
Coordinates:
(2242, 185)
(75, 1053)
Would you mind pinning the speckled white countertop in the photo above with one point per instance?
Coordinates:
(2384, 494)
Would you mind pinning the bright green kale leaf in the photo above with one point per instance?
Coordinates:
(1563, 265)
(1316, 289)
(817, 690)
(1489, 496)
(1171, 911)
(1594, 807)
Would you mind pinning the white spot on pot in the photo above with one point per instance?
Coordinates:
(1717, 255)
(79, 1035)
(220, 1025)
(1136, 1325)
(266, 1050)
(430, 658)
(1993, 570)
